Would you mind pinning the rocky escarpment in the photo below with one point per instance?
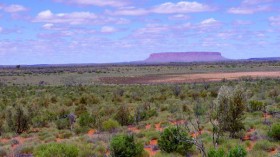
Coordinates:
(185, 57)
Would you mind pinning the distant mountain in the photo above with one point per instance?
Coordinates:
(265, 59)
(168, 57)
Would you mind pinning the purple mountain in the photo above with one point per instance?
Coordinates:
(185, 57)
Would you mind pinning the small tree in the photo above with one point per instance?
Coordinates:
(144, 112)
(123, 115)
(125, 146)
(175, 139)
(177, 90)
(17, 118)
(230, 107)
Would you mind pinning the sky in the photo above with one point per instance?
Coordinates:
(106, 31)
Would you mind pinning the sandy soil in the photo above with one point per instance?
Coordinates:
(158, 127)
(91, 132)
(150, 147)
(133, 129)
(188, 78)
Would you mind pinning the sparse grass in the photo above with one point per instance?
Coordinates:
(47, 103)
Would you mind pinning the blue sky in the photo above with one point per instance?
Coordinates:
(99, 31)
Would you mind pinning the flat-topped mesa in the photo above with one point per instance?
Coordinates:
(185, 57)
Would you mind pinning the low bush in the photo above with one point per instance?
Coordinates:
(216, 153)
(86, 120)
(62, 124)
(125, 146)
(17, 118)
(264, 145)
(255, 105)
(123, 116)
(275, 131)
(56, 150)
(110, 125)
(237, 151)
(175, 139)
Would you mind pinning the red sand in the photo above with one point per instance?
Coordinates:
(266, 115)
(250, 147)
(133, 129)
(154, 142)
(150, 151)
(20, 140)
(91, 132)
(273, 152)
(59, 140)
(4, 140)
(248, 134)
(158, 127)
(148, 126)
(194, 134)
(189, 78)
(178, 122)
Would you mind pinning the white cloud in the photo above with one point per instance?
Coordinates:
(45, 14)
(252, 2)
(179, 17)
(181, 7)
(112, 3)
(130, 11)
(242, 22)
(14, 8)
(248, 9)
(108, 29)
(48, 26)
(209, 21)
(208, 25)
(74, 18)
(275, 20)
(165, 8)
(77, 18)
(1, 29)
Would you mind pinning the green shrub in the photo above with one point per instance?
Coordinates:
(216, 153)
(56, 150)
(143, 112)
(175, 139)
(255, 105)
(275, 131)
(39, 121)
(17, 118)
(125, 146)
(86, 150)
(237, 151)
(264, 145)
(123, 116)
(86, 120)
(110, 125)
(62, 123)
